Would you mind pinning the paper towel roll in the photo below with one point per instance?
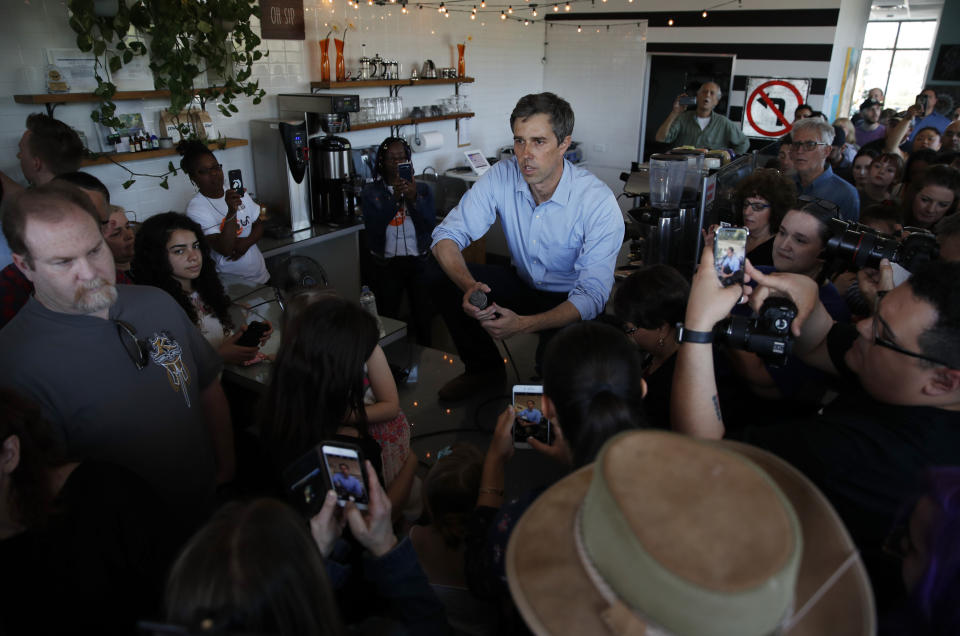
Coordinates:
(428, 141)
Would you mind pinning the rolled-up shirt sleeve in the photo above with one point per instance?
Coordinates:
(473, 216)
(598, 258)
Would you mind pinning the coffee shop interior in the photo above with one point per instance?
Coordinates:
(339, 77)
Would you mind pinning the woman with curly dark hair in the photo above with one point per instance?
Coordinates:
(764, 198)
(171, 253)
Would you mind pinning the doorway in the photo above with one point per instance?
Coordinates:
(671, 74)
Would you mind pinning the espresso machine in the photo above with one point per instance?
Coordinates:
(331, 196)
(669, 226)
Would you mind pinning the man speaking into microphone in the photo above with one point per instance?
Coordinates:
(563, 228)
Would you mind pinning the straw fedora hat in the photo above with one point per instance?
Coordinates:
(668, 535)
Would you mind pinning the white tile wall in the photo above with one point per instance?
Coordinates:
(504, 57)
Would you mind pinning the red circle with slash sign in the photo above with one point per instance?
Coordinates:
(758, 92)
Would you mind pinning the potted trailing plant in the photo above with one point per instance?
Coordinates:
(188, 39)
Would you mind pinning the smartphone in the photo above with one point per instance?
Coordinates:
(688, 100)
(236, 181)
(305, 483)
(251, 337)
(922, 102)
(730, 253)
(343, 464)
(529, 420)
(405, 171)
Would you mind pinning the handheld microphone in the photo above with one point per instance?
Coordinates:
(478, 299)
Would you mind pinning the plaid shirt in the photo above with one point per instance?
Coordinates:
(16, 289)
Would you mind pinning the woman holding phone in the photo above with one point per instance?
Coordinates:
(399, 216)
(172, 254)
(230, 219)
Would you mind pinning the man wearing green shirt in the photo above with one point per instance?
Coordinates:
(702, 127)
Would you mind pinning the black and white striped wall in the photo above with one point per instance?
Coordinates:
(786, 42)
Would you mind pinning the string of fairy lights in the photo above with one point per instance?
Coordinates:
(526, 13)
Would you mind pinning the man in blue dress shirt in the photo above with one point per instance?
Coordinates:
(810, 146)
(563, 228)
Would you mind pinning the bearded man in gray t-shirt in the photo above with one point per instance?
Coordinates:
(119, 370)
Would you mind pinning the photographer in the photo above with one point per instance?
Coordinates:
(897, 412)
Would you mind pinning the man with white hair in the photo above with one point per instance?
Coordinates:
(702, 127)
(810, 146)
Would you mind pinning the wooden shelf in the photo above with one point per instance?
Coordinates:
(67, 98)
(123, 157)
(375, 83)
(407, 121)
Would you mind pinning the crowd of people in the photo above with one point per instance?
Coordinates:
(835, 484)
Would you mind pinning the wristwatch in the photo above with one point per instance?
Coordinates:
(688, 335)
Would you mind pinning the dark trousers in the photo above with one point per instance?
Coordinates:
(507, 289)
(394, 276)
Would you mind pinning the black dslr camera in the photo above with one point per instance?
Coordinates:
(861, 246)
(767, 335)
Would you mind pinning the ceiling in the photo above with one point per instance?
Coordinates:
(906, 9)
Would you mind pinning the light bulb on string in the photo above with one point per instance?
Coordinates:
(703, 15)
(566, 7)
(503, 16)
(510, 9)
(670, 22)
(533, 11)
(526, 23)
(579, 29)
(555, 8)
(473, 16)
(483, 4)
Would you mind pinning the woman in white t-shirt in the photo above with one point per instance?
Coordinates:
(230, 219)
(172, 254)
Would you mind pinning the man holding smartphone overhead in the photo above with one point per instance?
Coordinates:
(563, 228)
(702, 127)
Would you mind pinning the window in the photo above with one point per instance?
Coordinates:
(895, 57)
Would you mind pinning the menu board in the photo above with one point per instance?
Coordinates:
(282, 20)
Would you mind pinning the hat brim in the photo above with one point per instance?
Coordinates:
(554, 594)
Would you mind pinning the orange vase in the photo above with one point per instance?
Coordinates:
(461, 63)
(341, 69)
(324, 60)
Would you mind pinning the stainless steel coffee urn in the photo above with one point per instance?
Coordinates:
(333, 200)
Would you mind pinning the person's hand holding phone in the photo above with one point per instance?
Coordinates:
(327, 525)
(233, 353)
(373, 529)
(501, 445)
(558, 449)
(710, 302)
(234, 200)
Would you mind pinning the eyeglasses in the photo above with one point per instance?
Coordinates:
(825, 205)
(756, 206)
(216, 168)
(878, 339)
(137, 348)
(806, 145)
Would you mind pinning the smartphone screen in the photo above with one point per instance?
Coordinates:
(344, 466)
(730, 253)
(529, 420)
(236, 181)
(306, 483)
(405, 171)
